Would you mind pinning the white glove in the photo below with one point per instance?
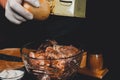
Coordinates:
(16, 13)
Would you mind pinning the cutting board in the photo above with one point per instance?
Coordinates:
(10, 59)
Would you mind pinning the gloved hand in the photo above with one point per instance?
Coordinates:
(16, 13)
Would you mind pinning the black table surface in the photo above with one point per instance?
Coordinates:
(76, 76)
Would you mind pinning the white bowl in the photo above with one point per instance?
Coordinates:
(11, 74)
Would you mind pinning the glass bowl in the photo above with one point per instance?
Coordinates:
(51, 60)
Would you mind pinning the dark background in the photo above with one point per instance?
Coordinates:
(98, 32)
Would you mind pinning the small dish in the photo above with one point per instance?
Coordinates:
(12, 74)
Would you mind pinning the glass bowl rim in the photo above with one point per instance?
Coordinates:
(80, 52)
